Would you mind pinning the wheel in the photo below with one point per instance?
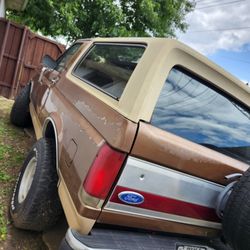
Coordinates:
(35, 204)
(236, 218)
(20, 115)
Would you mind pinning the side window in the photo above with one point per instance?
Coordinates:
(66, 56)
(191, 109)
(108, 67)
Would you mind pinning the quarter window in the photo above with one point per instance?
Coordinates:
(63, 60)
(192, 109)
(109, 67)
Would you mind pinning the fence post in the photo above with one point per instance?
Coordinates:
(4, 42)
(16, 78)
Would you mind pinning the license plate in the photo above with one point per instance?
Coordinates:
(185, 247)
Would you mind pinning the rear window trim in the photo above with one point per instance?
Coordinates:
(209, 84)
(141, 45)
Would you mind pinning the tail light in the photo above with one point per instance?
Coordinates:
(103, 172)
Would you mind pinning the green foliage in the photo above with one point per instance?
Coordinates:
(88, 18)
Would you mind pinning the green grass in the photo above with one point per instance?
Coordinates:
(4, 176)
(3, 224)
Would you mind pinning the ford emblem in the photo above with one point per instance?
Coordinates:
(131, 198)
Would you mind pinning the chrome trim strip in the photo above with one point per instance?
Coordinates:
(155, 179)
(45, 124)
(31, 88)
(140, 212)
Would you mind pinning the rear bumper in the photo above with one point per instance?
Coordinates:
(70, 242)
(64, 245)
(104, 239)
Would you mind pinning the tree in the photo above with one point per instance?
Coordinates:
(88, 18)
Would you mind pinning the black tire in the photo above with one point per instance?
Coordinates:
(40, 207)
(236, 219)
(20, 115)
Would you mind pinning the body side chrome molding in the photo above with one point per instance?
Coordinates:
(139, 212)
(152, 178)
(181, 197)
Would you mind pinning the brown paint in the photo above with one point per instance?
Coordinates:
(172, 151)
(154, 224)
(72, 125)
(118, 131)
(88, 130)
(80, 117)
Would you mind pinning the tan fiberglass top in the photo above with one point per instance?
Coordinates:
(161, 55)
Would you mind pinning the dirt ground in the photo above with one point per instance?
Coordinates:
(14, 145)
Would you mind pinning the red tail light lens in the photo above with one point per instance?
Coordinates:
(103, 172)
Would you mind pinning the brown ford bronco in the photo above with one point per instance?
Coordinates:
(142, 133)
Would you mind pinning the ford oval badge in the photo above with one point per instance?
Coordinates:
(131, 198)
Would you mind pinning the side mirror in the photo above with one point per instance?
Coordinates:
(49, 62)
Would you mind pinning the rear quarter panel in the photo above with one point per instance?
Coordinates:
(83, 124)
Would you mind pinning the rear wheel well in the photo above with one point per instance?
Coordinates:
(50, 132)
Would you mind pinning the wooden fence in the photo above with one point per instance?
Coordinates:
(21, 52)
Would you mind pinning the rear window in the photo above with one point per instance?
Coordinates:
(194, 110)
(108, 67)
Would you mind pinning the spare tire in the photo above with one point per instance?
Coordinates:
(236, 217)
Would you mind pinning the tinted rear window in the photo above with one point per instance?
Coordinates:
(192, 109)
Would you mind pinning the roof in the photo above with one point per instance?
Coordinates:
(18, 5)
(174, 44)
(144, 86)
